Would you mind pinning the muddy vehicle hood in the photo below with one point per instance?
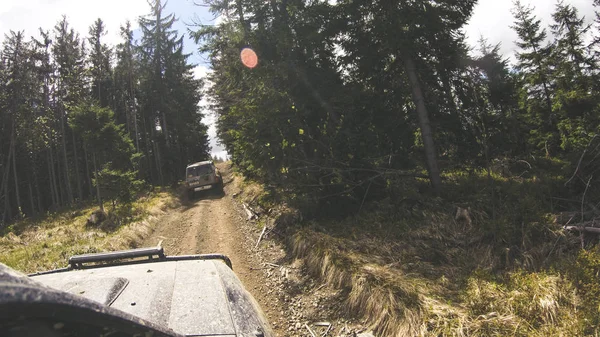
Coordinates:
(189, 297)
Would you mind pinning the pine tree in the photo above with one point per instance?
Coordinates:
(533, 63)
(573, 70)
(100, 62)
(169, 97)
(107, 141)
(45, 71)
(16, 55)
(502, 92)
(156, 46)
(126, 93)
(69, 57)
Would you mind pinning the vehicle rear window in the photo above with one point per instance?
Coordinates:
(199, 170)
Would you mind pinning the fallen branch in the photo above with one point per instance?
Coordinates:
(580, 229)
(323, 324)
(261, 236)
(275, 223)
(582, 212)
(581, 159)
(309, 330)
(272, 264)
(249, 212)
(526, 162)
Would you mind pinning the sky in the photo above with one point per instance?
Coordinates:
(491, 19)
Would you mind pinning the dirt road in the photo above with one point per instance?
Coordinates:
(212, 223)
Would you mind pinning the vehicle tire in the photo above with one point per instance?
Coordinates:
(190, 194)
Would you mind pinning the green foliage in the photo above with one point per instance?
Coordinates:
(169, 96)
(107, 140)
(118, 186)
(70, 104)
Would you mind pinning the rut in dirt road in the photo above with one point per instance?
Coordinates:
(205, 224)
(209, 223)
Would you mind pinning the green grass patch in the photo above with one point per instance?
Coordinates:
(36, 245)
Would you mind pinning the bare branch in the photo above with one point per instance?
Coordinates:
(581, 159)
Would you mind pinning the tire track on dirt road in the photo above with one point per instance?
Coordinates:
(210, 223)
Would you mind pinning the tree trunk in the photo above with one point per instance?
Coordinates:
(40, 206)
(67, 183)
(165, 130)
(87, 172)
(134, 110)
(14, 163)
(147, 141)
(547, 97)
(158, 164)
(31, 201)
(5, 185)
(157, 159)
(76, 160)
(99, 199)
(60, 183)
(243, 22)
(135, 125)
(53, 178)
(426, 133)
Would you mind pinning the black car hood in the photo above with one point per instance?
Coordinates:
(190, 297)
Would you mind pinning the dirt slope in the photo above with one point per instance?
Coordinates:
(213, 223)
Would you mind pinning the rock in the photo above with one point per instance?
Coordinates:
(463, 215)
(97, 217)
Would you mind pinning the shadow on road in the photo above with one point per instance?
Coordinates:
(190, 201)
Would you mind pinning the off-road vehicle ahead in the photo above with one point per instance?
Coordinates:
(202, 176)
(139, 292)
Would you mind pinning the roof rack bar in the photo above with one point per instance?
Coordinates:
(77, 260)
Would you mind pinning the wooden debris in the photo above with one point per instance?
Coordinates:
(594, 230)
(272, 264)
(261, 236)
(309, 330)
(249, 212)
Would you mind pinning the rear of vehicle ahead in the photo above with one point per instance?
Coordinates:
(203, 176)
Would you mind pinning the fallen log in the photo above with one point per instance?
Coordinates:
(594, 230)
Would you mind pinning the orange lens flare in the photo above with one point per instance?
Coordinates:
(249, 58)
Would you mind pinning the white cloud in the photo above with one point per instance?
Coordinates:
(493, 19)
(29, 15)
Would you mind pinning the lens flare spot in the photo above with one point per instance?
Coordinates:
(249, 58)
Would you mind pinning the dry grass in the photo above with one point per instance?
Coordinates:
(249, 191)
(46, 244)
(433, 282)
(387, 298)
(415, 271)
